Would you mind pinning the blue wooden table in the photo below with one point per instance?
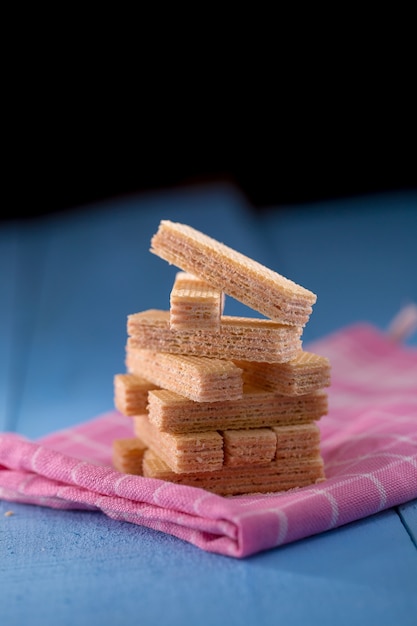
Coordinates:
(67, 284)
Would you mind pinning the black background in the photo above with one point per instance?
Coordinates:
(85, 131)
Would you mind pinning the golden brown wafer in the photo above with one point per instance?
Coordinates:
(228, 481)
(197, 378)
(131, 393)
(237, 338)
(239, 276)
(128, 455)
(182, 453)
(194, 304)
(303, 374)
(254, 446)
(174, 413)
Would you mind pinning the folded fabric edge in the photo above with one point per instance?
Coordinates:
(30, 476)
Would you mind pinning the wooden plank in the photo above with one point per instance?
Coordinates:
(408, 515)
(83, 568)
(8, 262)
(25, 256)
(358, 255)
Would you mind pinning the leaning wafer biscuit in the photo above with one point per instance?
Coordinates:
(197, 378)
(244, 279)
(194, 304)
(228, 481)
(257, 408)
(131, 393)
(182, 453)
(254, 446)
(305, 373)
(242, 338)
(128, 455)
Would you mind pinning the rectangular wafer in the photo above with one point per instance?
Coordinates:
(303, 374)
(182, 453)
(198, 378)
(229, 481)
(174, 413)
(239, 276)
(237, 338)
(131, 393)
(127, 455)
(194, 304)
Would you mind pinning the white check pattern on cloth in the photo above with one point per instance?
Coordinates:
(369, 446)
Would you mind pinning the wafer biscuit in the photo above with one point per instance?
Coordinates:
(303, 374)
(131, 393)
(194, 304)
(254, 446)
(228, 481)
(301, 441)
(237, 338)
(239, 276)
(182, 453)
(127, 455)
(198, 378)
(174, 413)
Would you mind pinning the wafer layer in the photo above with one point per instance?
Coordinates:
(243, 338)
(303, 374)
(197, 378)
(131, 393)
(248, 281)
(195, 304)
(171, 412)
(276, 476)
(128, 455)
(182, 453)
(211, 450)
(255, 446)
(300, 442)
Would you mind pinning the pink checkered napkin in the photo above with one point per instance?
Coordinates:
(369, 445)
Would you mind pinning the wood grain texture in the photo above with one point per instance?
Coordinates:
(81, 567)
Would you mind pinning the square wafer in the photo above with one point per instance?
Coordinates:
(301, 441)
(303, 374)
(127, 455)
(131, 393)
(239, 276)
(253, 446)
(182, 453)
(194, 304)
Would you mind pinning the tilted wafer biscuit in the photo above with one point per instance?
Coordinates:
(244, 279)
(128, 455)
(237, 338)
(131, 393)
(182, 453)
(228, 481)
(198, 378)
(254, 446)
(171, 412)
(194, 304)
(305, 373)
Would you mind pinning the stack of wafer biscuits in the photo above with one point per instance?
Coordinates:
(228, 404)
